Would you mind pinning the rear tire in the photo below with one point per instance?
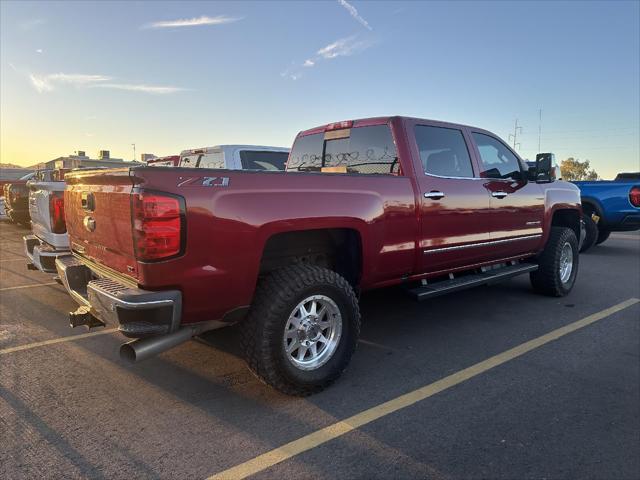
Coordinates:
(591, 232)
(558, 264)
(602, 236)
(302, 329)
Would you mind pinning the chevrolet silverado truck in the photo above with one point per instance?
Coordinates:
(16, 199)
(49, 238)
(166, 254)
(236, 157)
(609, 206)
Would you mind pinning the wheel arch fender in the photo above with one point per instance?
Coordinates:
(346, 237)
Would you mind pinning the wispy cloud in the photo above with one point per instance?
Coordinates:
(39, 50)
(32, 23)
(353, 11)
(154, 89)
(342, 47)
(47, 83)
(193, 22)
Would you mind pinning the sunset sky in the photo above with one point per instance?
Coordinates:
(169, 76)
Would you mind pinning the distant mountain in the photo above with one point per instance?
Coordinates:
(13, 165)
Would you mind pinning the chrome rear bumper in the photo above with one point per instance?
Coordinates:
(42, 256)
(137, 312)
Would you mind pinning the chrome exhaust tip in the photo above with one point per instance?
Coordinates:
(143, 348)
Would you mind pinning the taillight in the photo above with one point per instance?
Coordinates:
(634, 196)
(157, 225)
(56, 213)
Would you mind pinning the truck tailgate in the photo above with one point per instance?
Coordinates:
(98, 216)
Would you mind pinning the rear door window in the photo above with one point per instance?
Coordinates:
(211, 160)
(361, 150)
(496, 159)
(189, 160)
(443, 152)
(262, 160)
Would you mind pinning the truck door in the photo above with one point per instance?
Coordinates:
(455, 206)
(517, 205)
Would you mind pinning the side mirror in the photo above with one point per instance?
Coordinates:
(544, 167)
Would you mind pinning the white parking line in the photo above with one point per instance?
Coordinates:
(12, 259)
(335, 430)
(633, 238)
(29, 346)
(4, 289)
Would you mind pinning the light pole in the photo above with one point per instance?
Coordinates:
(134, 151)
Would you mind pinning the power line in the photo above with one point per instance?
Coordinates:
(514, 135)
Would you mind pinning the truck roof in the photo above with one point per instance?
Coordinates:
(234, 147)
(363, 122)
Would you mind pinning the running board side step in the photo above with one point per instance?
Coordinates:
(473, 280)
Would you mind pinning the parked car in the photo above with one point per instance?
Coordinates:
(168, 161)
(236, 157)
(167, 254)
(610, 206)
(8, 175)
(16, 199)
(49, 237)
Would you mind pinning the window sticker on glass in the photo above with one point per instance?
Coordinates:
(367, 150)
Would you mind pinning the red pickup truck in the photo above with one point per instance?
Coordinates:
(167, 254)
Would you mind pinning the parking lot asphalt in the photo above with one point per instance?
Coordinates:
(567, 408)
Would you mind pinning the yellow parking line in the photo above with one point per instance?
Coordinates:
(4, 289)
(335, 430)
(56, 340)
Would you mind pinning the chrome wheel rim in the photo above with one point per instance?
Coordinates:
(312, 332)
(566, 262)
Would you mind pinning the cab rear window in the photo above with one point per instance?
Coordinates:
(261, 160)
(361, 150)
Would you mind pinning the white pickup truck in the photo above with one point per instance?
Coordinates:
(236, 157)
(49, 237)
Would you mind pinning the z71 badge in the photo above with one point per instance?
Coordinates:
(203, 181)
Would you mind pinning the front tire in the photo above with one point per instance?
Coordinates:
(558, 264)
(602, 236)
(591, 232)
(302, 329)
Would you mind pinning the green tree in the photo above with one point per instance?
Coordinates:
(574, 169)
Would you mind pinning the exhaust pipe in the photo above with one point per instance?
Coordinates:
(143, 348)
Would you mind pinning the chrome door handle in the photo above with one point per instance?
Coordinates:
(499, 194)
(434, 195)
